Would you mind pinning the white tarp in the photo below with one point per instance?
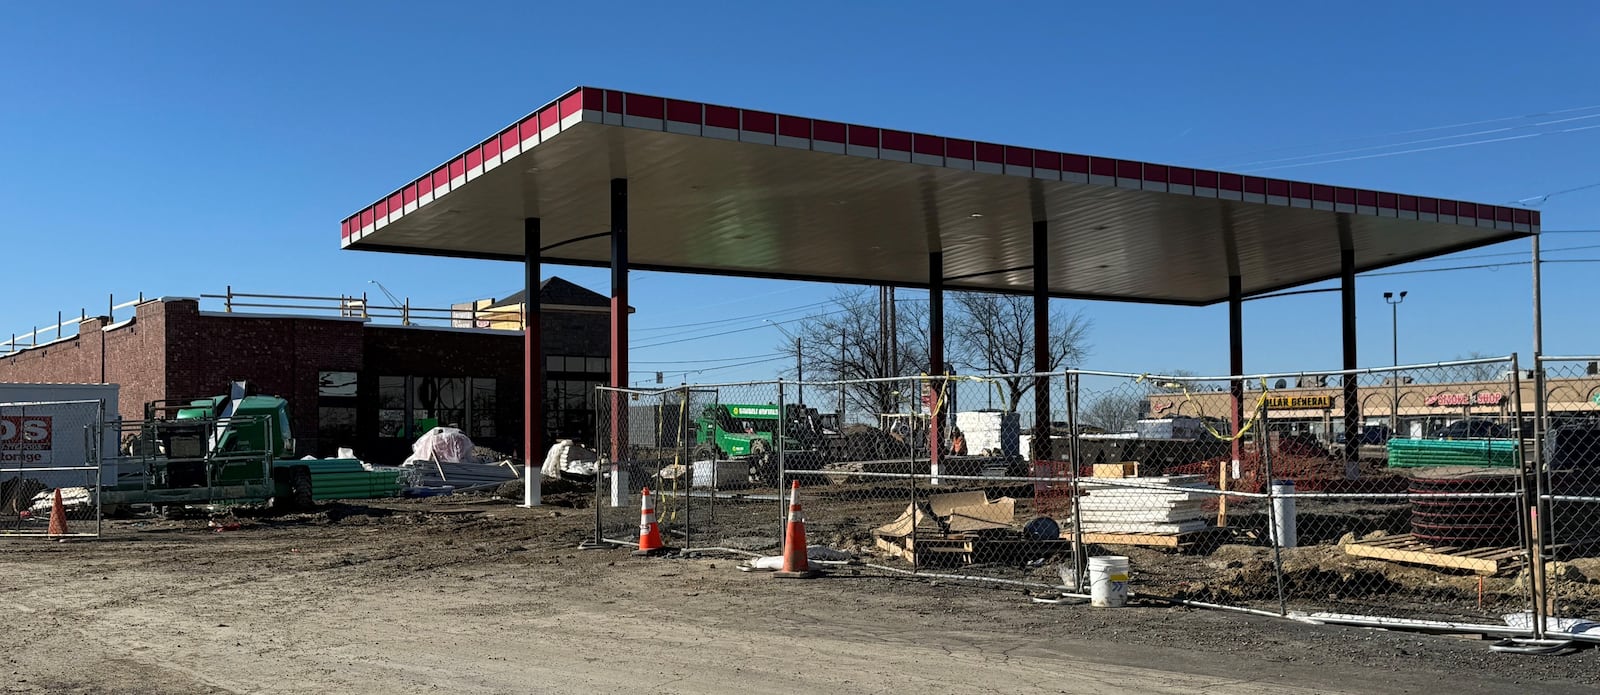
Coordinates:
(443, 445)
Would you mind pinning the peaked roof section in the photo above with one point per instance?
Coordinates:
(723, 190)
(556, 290)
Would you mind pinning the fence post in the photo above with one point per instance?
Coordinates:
(778, 451)
(1538, 511)
(405, 312)
(1265, 431)
(227, 300)
(1074, 449)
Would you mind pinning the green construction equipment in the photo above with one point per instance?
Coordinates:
(726, 431)
(232, 449)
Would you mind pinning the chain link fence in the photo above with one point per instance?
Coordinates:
(1570, 496)
(1395, 495)
(49, 448)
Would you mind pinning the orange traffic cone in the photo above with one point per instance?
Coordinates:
(796, 565)
(649, 533)
(58, 516)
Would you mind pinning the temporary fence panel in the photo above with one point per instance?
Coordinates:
(1570, 502)
(45, 448)
(1394, 492)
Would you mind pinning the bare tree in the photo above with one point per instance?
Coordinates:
(1120, 409)
(1116, 411)
(844, 343)
(1483, 371)
(993, 334)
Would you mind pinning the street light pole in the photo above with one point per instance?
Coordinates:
(1394, 379)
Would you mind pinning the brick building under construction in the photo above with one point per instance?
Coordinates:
(349, 380)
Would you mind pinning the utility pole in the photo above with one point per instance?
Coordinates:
(799, 366)
(843, 337)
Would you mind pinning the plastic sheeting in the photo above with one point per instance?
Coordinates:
(569, 457)
(443, 445)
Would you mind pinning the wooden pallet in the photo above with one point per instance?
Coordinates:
(965, 549)
(1484, 561)
(1153, 540)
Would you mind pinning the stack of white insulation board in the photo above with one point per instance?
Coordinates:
(1156, 504)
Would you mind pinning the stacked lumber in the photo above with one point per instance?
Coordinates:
(1155, 504)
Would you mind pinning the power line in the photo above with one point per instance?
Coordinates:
(730, 320)
(737, 330)
(724, 359)
(1450, 259)
(764, 325)
(1484, 266)
(1416, 131)
(1543, 198)
(1401, 152)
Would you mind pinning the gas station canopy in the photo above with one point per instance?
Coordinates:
(729, 191)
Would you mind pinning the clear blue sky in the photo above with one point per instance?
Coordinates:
(175, 148)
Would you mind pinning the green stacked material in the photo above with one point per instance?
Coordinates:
(343, 479)
(1416, 453)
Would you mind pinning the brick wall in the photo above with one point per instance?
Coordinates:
(171, 350)
(281, 356)
(133, 356)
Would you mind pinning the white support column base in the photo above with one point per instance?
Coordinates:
(532, 487)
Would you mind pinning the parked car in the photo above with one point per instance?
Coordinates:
(1370, 435)
(1372, 443)
(1473, 428)
(1303, 444)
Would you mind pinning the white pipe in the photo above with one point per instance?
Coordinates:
(1284, 532)
(619, 486)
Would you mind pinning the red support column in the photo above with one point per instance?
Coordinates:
(1041, 445)
(619, 318)
(532, 354)
(1347, 322)
(938, 389)
(1236, 360)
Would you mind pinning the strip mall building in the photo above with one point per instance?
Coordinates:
(1423, 408)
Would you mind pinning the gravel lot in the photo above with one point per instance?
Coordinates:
(472, 595)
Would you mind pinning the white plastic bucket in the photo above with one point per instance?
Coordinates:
(1108, 581)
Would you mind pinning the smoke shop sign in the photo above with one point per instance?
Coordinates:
(1461, 399)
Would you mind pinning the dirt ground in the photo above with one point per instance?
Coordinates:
(472, 595)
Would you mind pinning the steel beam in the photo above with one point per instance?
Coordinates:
(532, 366)
(1347, 315)
(1236, 360)
(619, 318)
(938, 390)
(1041, 340)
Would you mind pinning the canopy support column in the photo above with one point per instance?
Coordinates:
(938, 389)
(532, 367)
(619, 318)
(1041, 449)
(1236, 361)
(1347, 315)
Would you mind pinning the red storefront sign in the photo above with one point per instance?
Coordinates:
(1465, 399)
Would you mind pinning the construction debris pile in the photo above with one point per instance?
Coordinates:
(443, 457)
(964, 528)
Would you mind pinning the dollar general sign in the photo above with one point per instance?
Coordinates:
(1299, 402)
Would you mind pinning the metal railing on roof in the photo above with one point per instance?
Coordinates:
(42, 335)
(469, 315)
